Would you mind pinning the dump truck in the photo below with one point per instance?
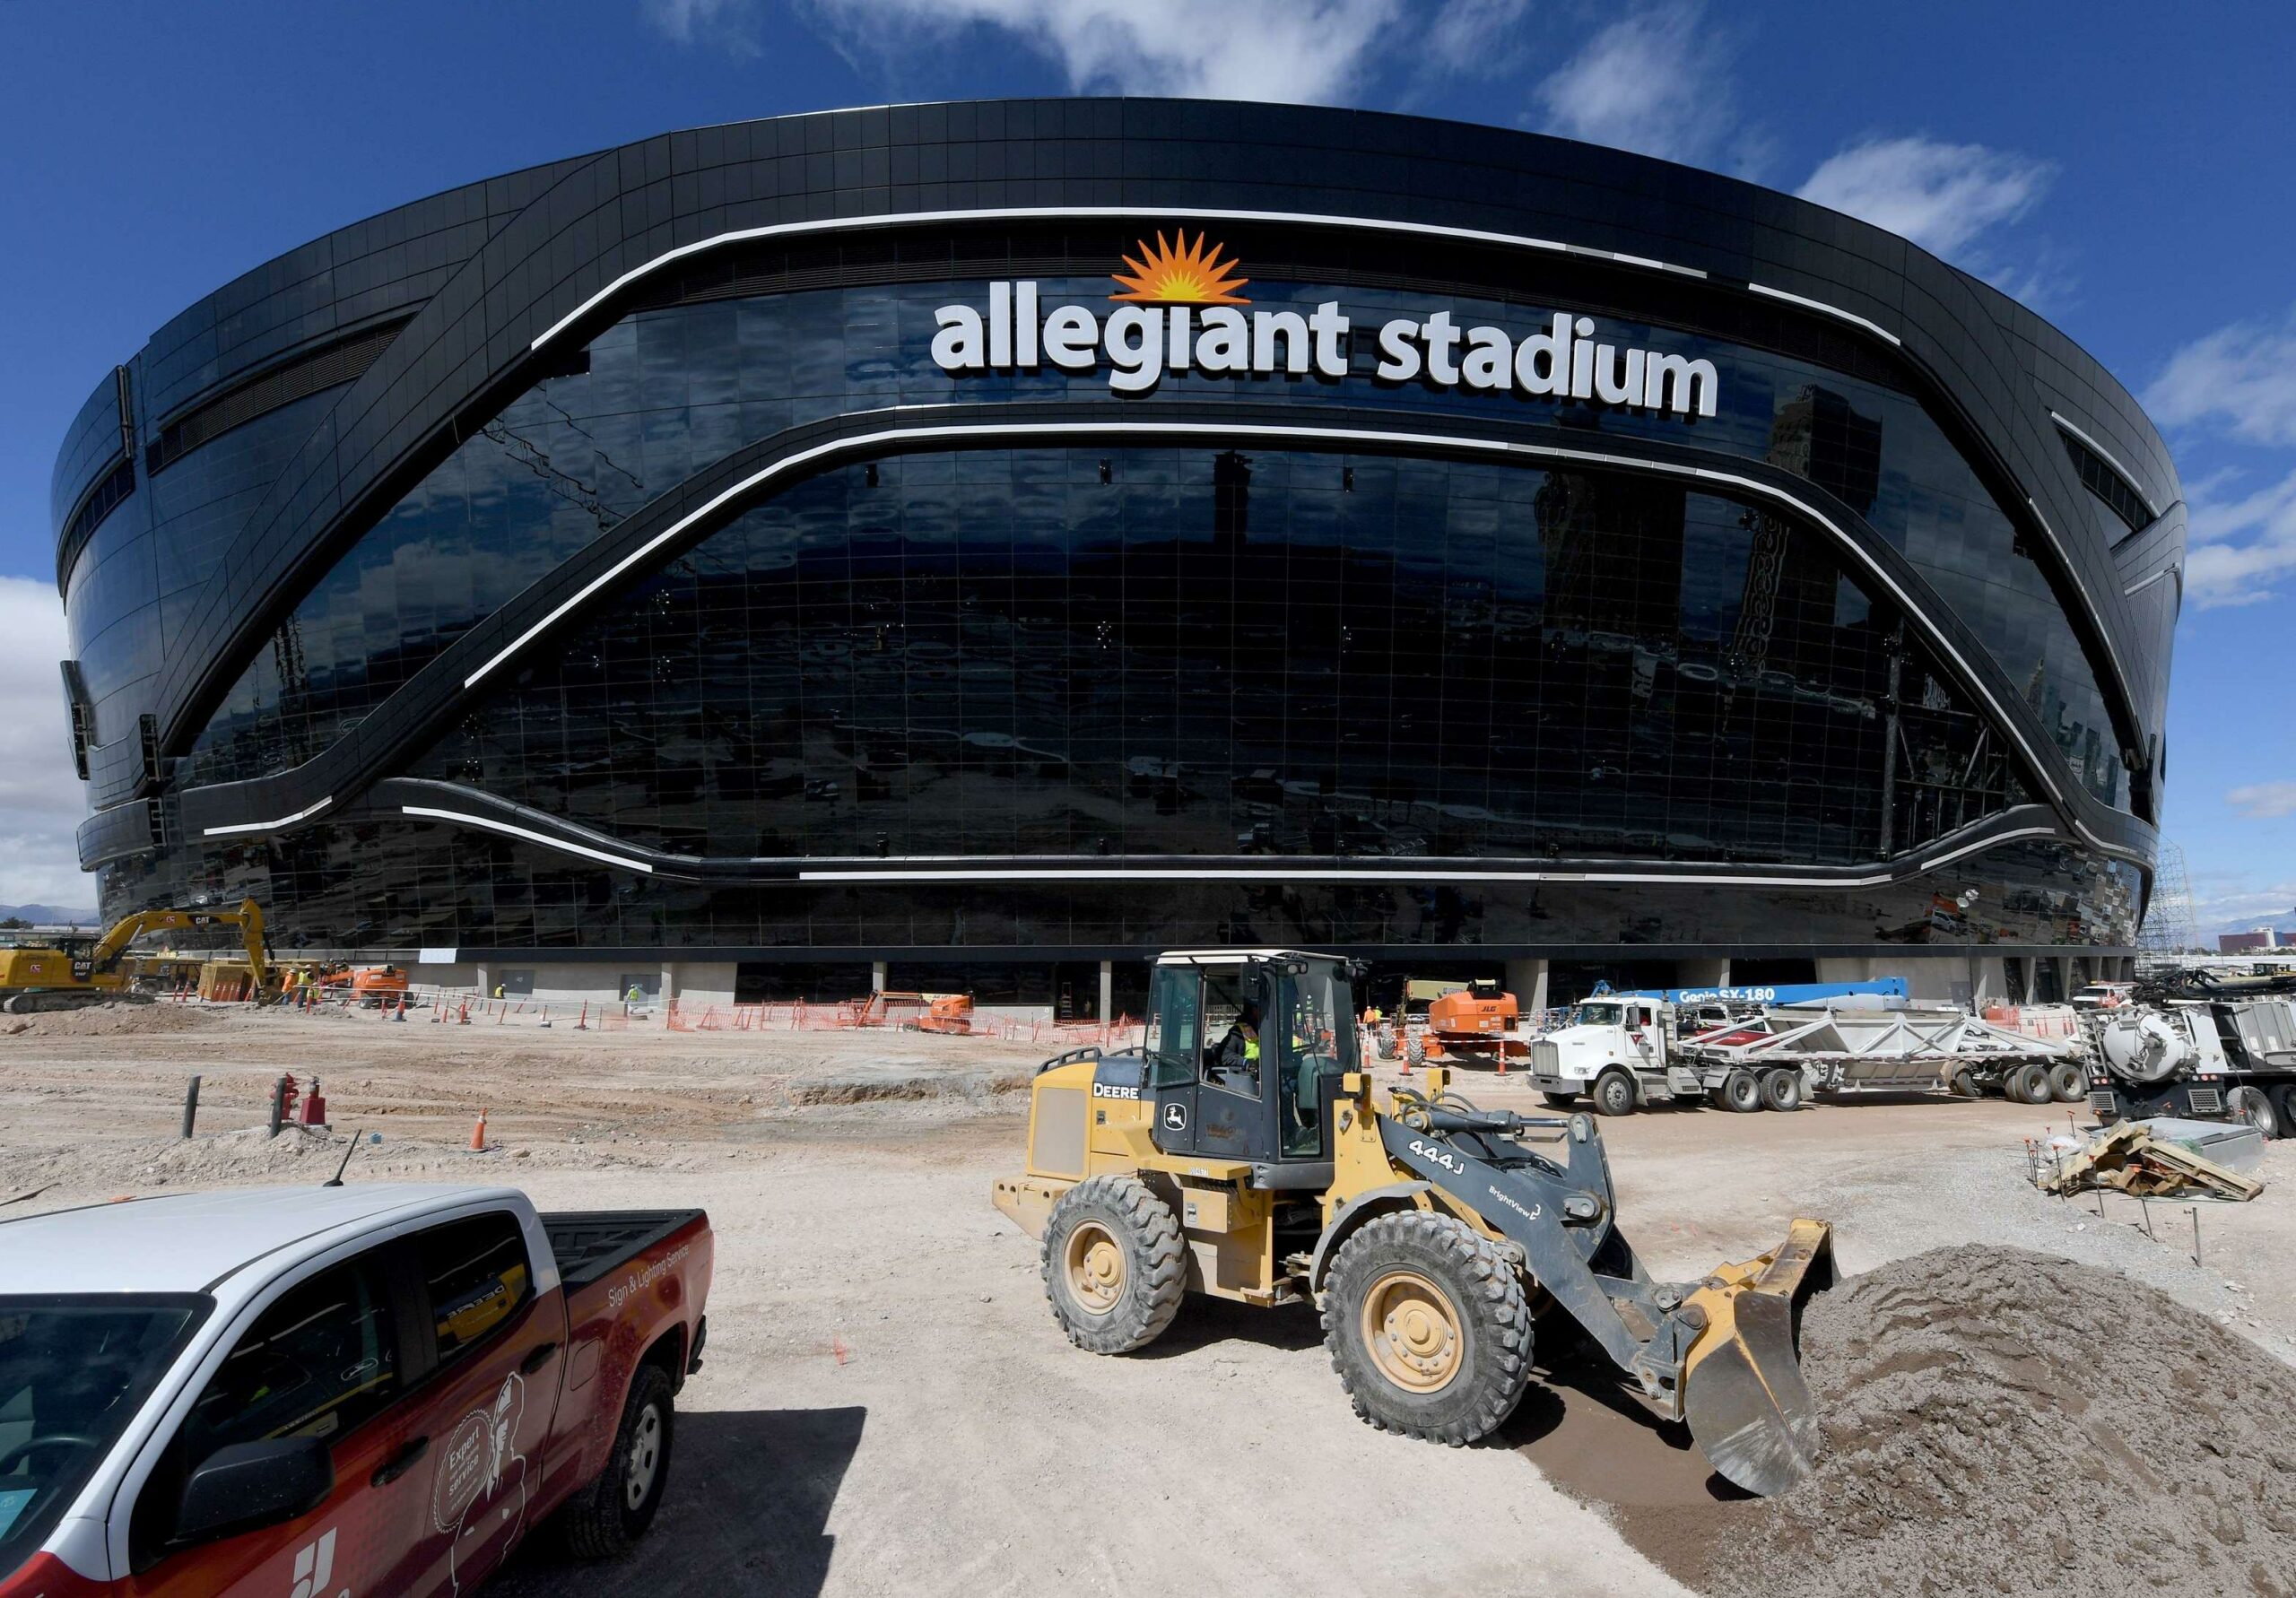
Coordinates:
(2201, 1058)
(1470, 1021)
(70, 972)
(1627, 1052)
(1243, 1152)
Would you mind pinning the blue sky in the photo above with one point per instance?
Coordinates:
(2122, 167)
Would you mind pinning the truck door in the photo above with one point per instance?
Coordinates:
(487, 1406)
(1649, 1050)
(326, 1359)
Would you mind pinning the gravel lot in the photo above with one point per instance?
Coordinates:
(888, 1406)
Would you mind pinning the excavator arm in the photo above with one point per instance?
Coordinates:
(249, 917)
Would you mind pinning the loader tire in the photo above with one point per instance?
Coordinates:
(1613, 1093)
(1415, 1051)
(610, 1515)
(2068, 1084)
(1114, 1266)
(1384, 1041)
(1781, 1089)
(1428, 1327)
(1741, 1090)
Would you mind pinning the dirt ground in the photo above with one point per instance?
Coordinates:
(888, 1406)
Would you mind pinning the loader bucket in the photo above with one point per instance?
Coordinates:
(1743, 1392)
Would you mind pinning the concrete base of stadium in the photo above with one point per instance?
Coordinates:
(1094, 990)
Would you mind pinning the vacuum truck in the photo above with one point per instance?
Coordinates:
(2200, 1058)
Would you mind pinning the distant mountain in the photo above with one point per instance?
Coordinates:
(47, 915)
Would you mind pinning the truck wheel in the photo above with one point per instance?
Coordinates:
(1559, 1100)
(2026, 1084)
(612, 1513)
(1741, 1090)
(2283, 1099)
(1428, 1327)
(2249, 1104)
(1781, 1090)
(1964, 1084)
(2068, 1084)
(1613, 1093)
(1114, 1266)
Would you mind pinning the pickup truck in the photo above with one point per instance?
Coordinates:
(354, 1392)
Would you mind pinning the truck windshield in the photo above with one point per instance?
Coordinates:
(1596, 1015)
(72, 1370)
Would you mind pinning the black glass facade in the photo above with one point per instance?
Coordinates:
(1779, 675)
(1165, 652)
(666, 391)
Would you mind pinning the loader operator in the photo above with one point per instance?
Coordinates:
(1238, 1051)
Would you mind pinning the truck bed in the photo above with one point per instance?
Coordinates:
(590, 1243)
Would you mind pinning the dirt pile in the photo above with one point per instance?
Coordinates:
(109, 1020)
(1997, 1422)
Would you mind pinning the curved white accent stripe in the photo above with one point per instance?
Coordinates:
(898, 870)
(2141, 584)
(562, 846)
(1875, 328)
(1089, 873)
(304, 814)
(905, 218)
(2107, 456)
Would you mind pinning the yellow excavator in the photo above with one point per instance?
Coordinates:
(70, 972)
(1244, 1152)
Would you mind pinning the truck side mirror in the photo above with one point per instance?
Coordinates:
(242, 1486)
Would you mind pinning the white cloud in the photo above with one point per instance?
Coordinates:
(2238, 547)
(2243, 376)
(1656, 82)
(1938, 195)
(1477, 36)
(2263, 799)
(41, 801)
(725, 23)
(1291, 50)
(2224, 901)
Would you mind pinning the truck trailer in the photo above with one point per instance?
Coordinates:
(1629, 1052)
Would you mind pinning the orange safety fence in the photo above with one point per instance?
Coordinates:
(799, 1015)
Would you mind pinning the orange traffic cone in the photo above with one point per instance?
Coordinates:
(478, 1134)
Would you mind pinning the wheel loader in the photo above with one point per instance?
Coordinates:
(1243, 1152)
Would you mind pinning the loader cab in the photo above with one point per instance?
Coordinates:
(1245, 1052)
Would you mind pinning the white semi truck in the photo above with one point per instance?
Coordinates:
(1628, 1051)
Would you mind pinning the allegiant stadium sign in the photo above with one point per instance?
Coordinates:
(1179, 312)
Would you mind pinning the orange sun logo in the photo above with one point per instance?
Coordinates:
(1189, 274)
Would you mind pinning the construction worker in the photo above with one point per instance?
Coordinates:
(636, 995)
(498, 990)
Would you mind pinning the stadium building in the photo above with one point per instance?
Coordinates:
(978, 546)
